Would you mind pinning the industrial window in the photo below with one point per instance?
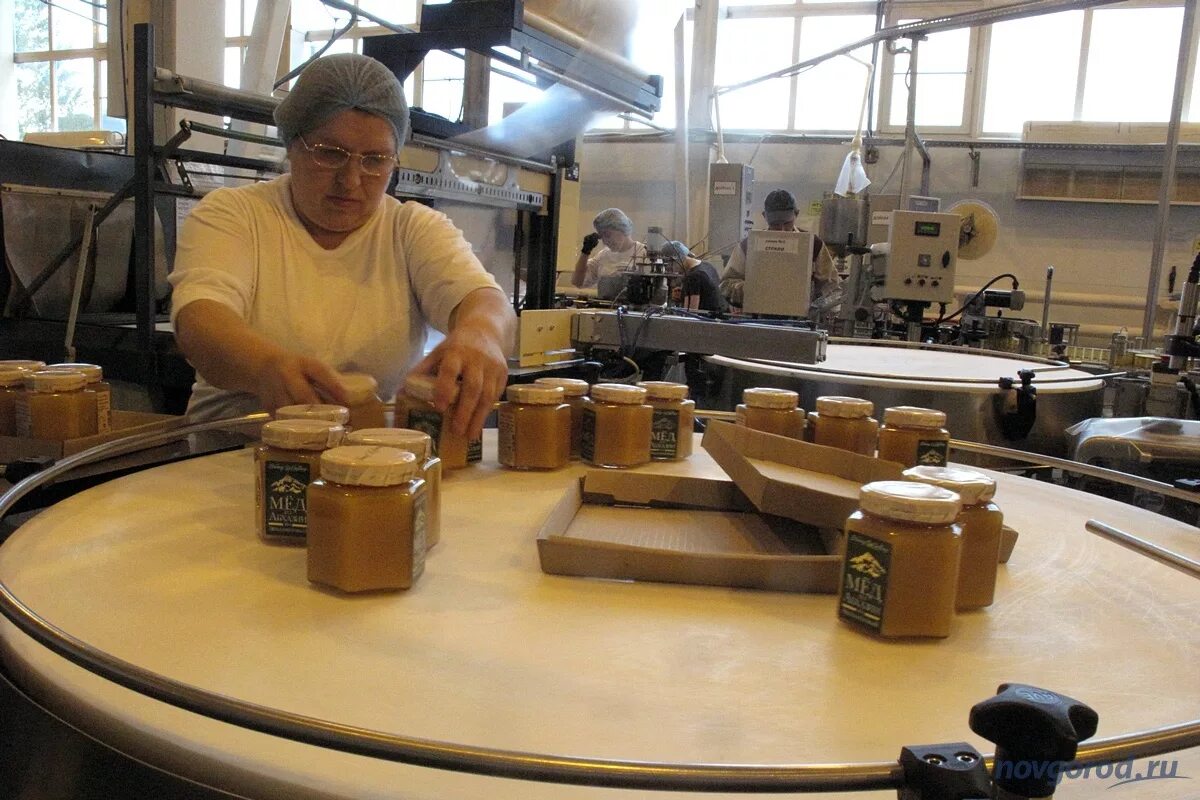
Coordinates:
(60, 66)
(1021, 88)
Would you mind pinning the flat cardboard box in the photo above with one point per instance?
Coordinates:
(806, 482)
(681, 529)
(124, 423)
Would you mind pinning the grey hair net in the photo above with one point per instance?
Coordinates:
(675, 251)
(337, 83)
(613, 219)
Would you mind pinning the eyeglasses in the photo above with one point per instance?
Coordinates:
(327, 156)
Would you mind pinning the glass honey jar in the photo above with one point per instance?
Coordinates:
(366, 409)
(913, 436)
(845, 423)
(56, 406)
(421, 446)
(12, 385)
(415, 409)
(617, 425)
(981, 521)
(27, 364)
(771, 411)
(900, 568)
(286, 462)
(98, 388)
(674, 420)
(534, 428)
(366, 520)
(575, 392)
(325, 412)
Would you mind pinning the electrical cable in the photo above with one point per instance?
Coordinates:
(1016, 284)
(337, 34)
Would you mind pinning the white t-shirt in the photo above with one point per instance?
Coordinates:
(604, 262)
(361, 307)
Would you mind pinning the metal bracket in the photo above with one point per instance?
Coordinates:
(445, 184)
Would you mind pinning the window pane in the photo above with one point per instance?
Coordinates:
(33, 97)
(233, 18)
(233, 67)
(72, 25)
(249, 7)
(312, 15)
(443, 87)
(342, 45)
(1020, 88)
(503, 89)
(31, 27)
(941, 80)
(652, 49)
(106, 122)
(75, 90)
(402, 12)
(769, 41)
(1131, 64)
(830, 95)
(759, 2)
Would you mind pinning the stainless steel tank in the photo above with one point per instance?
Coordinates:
(963, 383)
(844, 224)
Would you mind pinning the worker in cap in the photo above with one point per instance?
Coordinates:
(700, 288)
(780, 212)
(280, 286)
(609, 250)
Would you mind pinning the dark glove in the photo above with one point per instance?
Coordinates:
(589, 243)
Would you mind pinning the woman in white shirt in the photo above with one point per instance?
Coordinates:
(617, 251)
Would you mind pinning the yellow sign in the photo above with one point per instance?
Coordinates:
(814, 210)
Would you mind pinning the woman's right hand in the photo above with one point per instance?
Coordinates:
(291, 379)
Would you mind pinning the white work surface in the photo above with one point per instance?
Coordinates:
(163, 568)
(912, 368)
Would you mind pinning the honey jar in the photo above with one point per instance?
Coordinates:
(325, 412)
(12, 384)
(674, 420)
(415, 409)
(845, 423)
(616, 426)
(981, 521)
(421, 446)
(366, 409)
(366, 520)
(55, 406)
(913, 436)
(772, 411)
(29, 365)
(575, 392)
(534, 428)
(99, 389)
(288, 460)
(900, 568)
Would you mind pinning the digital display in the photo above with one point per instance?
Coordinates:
(927, 229)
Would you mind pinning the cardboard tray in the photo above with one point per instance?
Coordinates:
(124, 423)
(806, 482)
(678, 529)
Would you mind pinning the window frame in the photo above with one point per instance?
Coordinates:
(97, 54)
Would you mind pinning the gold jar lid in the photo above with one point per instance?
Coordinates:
(528, 393)
(338, 415)
(844, 407)
(359, 386)
(910, 502)
(764, 397)
(23, 363)
(12, 376)
(55, 380)
(411, 441)
(572, 387)
(973, 487)
(368, 465)
(620, 393)
(93, 372)
(664, 390)
(302, 434)
(421, 387)
(914, 417)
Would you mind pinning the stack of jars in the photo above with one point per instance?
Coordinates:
(55, 402)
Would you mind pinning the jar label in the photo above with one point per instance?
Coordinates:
(865, 571)
(932, 452)
(474, 450)
(420, 521)
(506, 436)
(429, 422)
(664, 435)
(587, 435)
(103, 412)
(23, 418)
(285, 508)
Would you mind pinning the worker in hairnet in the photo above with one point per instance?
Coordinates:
(609, 250)
(779, 211)
(700, 289)
(280, 285)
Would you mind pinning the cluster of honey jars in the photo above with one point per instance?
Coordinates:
(54, 402)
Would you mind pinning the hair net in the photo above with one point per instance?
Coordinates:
(779, 206)
(613, 219)
(675, 251)
(338, 83)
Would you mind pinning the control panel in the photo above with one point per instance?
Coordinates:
(922, 257)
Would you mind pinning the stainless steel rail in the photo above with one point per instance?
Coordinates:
(882, 775)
